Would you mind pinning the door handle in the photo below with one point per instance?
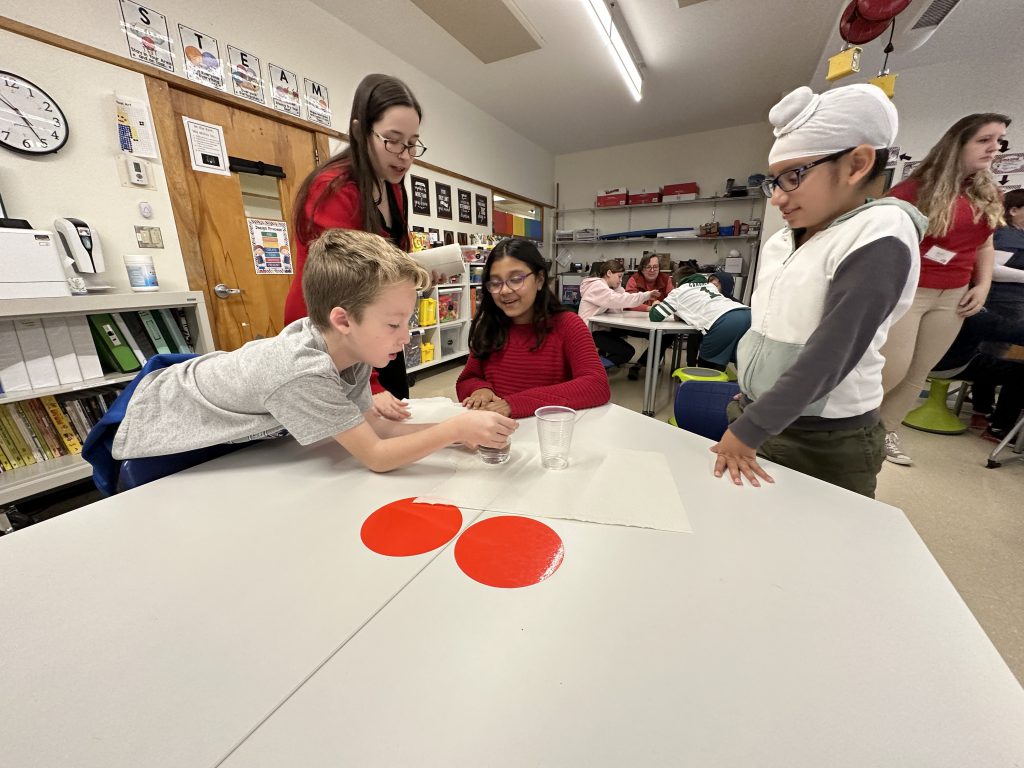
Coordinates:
(222, 291)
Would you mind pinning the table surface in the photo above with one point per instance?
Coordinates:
(639, 321)
(231, 616)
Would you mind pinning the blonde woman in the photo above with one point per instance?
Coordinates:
(955, 189)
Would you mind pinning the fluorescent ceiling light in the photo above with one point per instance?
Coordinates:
(613, 38)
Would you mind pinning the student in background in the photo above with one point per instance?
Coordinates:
(648, 278)
(1007, 295)
(604, 293)
(955, 189)
(363, 187)
(525, 349)
(697, 302)
(829, 286)
(312, 379)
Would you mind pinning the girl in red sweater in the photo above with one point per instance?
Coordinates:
(525, 349)
(363, 188)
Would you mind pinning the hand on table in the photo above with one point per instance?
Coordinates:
(479, 398)
(973, 301)
(388, 406)
(497, 405)
(485, 428)
(739, 459)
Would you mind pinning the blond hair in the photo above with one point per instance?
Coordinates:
(347, 268)
(940, 178)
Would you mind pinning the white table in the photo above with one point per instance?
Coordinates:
(229, 616)
(639, 321)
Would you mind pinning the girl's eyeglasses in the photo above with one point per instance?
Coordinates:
(514, 283)
(396, 147)
(791, 179)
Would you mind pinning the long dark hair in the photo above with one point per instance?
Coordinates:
(374, 96)
(489, 330)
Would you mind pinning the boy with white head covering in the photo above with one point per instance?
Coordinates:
(828, 288)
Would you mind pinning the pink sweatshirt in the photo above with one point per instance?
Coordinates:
(597, 298)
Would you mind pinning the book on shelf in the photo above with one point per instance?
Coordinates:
(171, 331)
(13, 371)
(85, 348)
(115, 354)
(186, 330)
(154, 332)
(23, 428)
(36, 352)
(62, 350)
(138, 332)
(128, 336)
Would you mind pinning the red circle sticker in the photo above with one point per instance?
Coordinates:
(404, 527)
(509, 551)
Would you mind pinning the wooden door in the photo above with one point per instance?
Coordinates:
(212, 211)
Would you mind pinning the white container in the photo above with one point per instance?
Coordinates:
(141, 274)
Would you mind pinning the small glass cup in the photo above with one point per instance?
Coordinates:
(554, 429)
(495, 455)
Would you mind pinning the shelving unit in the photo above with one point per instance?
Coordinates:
(438, 332)
(46, 475)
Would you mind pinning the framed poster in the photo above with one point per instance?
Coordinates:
(481, 210)
(246, 80)
(271, 253)
(463, 238)
(435, 235)
(202, 58)
(318, 103)
(284, 90)
(449, 237)
(420, 196)
(148, 37)
(465, 206)
(444, 200)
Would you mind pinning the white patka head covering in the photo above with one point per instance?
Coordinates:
(808, 124)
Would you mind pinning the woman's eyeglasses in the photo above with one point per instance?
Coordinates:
(514, 283)
(396, 147)
(791, 179)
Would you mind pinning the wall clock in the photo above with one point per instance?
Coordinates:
(31, 122)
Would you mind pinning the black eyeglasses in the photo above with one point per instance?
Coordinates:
(791, 179)
(396, 147)
(514, 283)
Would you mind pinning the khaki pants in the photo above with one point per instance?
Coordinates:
(915, 344)
(849, 458)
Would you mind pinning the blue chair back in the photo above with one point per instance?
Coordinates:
(100, 441)
(136, 472)
(700, 407)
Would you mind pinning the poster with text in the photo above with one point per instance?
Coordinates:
(318, 103)
(271, 252)
(246, 81)
(206, 147)
(481, 210)
(908, 168)
(465, 206)
(894, 156)
(444, 200)
(1009, 163)
(420, 196)
(284, 90)
(149, 40)
(202, 58)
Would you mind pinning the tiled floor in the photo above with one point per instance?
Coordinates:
(963, 511)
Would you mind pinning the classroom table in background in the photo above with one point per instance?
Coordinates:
(230, 616)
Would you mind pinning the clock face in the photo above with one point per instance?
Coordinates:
(30, 120)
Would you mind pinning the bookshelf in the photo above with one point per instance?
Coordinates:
(53, 473)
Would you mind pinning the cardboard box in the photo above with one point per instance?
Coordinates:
(643, 197)
(678, 193)
(608, 198)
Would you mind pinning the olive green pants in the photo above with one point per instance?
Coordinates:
(849, 458)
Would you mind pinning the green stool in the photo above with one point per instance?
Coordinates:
(935, 416)
(693, 373)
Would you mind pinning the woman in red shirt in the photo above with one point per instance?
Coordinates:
(955, 189)
(648, 278)
(363, 188)
(525, 349)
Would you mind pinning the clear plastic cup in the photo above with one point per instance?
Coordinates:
(554, 428)
(495, 455)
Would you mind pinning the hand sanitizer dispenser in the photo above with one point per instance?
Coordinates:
(81, 244)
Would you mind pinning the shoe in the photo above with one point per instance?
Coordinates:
(979, 421)
(634, 372)
(893, 452)
(994, 434)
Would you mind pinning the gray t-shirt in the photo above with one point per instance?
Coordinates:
(288, 382)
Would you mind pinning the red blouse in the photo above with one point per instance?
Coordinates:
(964, 238)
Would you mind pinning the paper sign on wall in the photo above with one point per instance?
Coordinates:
(465, 206)
(202, 58)
(246, 81)
(148, 38)
(318, 102)
(444, 200)
(420, 195)
(481, 210)
(134, 127)
(1008, 163)
(206, 147)
(284, 90)
(271, 253)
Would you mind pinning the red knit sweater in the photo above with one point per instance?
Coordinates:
(564, 371)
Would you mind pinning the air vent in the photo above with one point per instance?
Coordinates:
(935, 13)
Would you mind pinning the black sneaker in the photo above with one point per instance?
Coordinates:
(634, 372)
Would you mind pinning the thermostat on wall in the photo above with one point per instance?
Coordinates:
(137, 171)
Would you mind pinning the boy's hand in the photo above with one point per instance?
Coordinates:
(497, 405)
(479, 398)
(390, 407)
(739, 459)
(484, 428)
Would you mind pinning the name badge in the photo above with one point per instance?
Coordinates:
(939, 255)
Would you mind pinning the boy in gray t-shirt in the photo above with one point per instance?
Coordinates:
(313, 378)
